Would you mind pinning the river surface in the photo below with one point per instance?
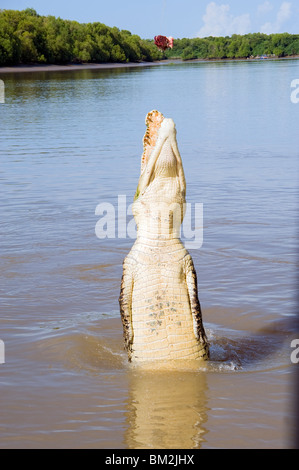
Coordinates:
(70, 145)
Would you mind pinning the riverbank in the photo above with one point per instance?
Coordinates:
(71, 67)
(114, 65)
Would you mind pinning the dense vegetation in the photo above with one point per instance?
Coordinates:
(236, 46)
(26, 37)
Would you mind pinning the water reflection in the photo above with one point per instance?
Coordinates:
(166, 410)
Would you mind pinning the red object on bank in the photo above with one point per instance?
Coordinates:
(163, 43)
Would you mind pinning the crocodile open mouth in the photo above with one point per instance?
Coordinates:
(153, 123)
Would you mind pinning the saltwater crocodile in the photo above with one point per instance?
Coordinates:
(159, 305)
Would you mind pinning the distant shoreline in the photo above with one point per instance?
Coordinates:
(115, 65)
(71, 67)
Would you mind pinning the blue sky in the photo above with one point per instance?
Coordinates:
(177, 18)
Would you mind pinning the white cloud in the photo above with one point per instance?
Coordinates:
(264, 8)
(283, 14)
(218, 21)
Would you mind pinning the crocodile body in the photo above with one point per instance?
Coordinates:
(159, 305)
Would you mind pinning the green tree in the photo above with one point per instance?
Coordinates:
(233, 47)
(117, 54)
(188, 53)
(244, 49)
(293, 47)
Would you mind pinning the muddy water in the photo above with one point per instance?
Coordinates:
(72, 141)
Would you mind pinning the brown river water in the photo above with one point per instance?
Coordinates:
(72, 141)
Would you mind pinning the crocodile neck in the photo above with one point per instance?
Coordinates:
(160, 198)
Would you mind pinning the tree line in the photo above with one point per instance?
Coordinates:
(27, 37)
(236, 47)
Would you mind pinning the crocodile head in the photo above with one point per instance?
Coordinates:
(160, 152)
(159, 202)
